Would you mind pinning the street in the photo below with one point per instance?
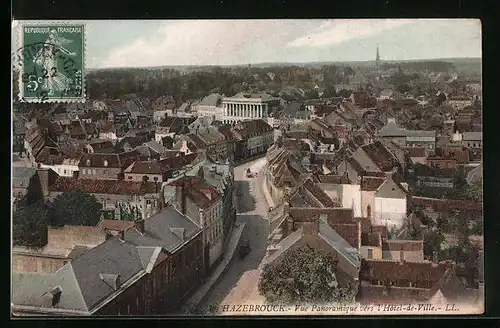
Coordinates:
(239, 283)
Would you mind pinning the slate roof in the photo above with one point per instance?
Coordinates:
(121, 160)
(391, 129)
(198, 191)
(340, 244)
(81, 281)
(372, 183)
(406, 245)
(158, 230)
(23, 174)
(116, 225)
(213, 99)
(159, 149)
(420, 133)
(472, 136)
(419, 273)
(114, 187)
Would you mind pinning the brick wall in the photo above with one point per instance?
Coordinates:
(38, 263)
(68, 236)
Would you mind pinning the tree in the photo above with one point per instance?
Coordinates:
(303, 275)
(29, 225)
(403, 88)
(75, 208)
(329, 92)
(432, 242)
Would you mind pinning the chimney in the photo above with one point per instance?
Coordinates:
(139, 225)
(183, 196)
(112, 280)
(402, 255)
(201, 173)
(179, 232)
(286, 208)
(435, 258)
(53, 296)
(359, 233)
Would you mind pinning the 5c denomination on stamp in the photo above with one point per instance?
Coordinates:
(51, 60)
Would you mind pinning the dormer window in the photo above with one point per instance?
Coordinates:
(88, 162)
(105, 162)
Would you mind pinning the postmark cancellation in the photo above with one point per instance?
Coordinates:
(51, 62)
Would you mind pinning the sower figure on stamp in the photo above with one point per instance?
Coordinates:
(54, 80)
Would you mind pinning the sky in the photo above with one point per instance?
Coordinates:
(136, 43)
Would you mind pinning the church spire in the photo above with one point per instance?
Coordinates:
(377, 59)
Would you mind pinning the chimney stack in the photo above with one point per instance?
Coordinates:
(183, 196)
(139, 225)
(402, 255)
(435, 259)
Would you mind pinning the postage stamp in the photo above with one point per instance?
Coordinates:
(51, 59)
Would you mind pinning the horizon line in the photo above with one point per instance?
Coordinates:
(290, 63)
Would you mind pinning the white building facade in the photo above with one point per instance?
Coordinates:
(246, 107)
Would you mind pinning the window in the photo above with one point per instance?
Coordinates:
(128, 308)
(130, 178)
(64, 171)
(370, 253)
(137, 303)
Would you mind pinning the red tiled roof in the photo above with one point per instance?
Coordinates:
(198, 191)
(447, 205)
(246, 129)
(370, 239)
(348, 231)
(406, 245)
(121, 160)
(371, 183)
(116, 225)
(319, 194)
(196, 140)
(417, 151)
(380, 156)
(113, 187)
(418, 273)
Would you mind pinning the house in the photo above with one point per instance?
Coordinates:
(107, 166)
(314, 231)
(108, 131)
(190, 143)
(472, 140)
(26, 184)
(231, 141)
(114, 278)
(392, 132)
(214, 141)
(64, 244)
(184, 110)
(253, 137)
(420, 138)
(221, 177)
(157, 170)
(120, 199)
(384, 201)
(210, 106)
(441, 162)
(99, 146)
(459, 102)
(202, 203)
(386, 94)
(181, 239)
(18, 134)
(417, 155)
(172, 126)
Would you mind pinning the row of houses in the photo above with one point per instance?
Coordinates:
(146, 264)
(343, 213)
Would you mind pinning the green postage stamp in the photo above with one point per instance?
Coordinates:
(51, 58)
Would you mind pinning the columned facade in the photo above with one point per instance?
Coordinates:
(239, 108)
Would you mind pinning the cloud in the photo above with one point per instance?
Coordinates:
(203, 42)
(339, 31)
